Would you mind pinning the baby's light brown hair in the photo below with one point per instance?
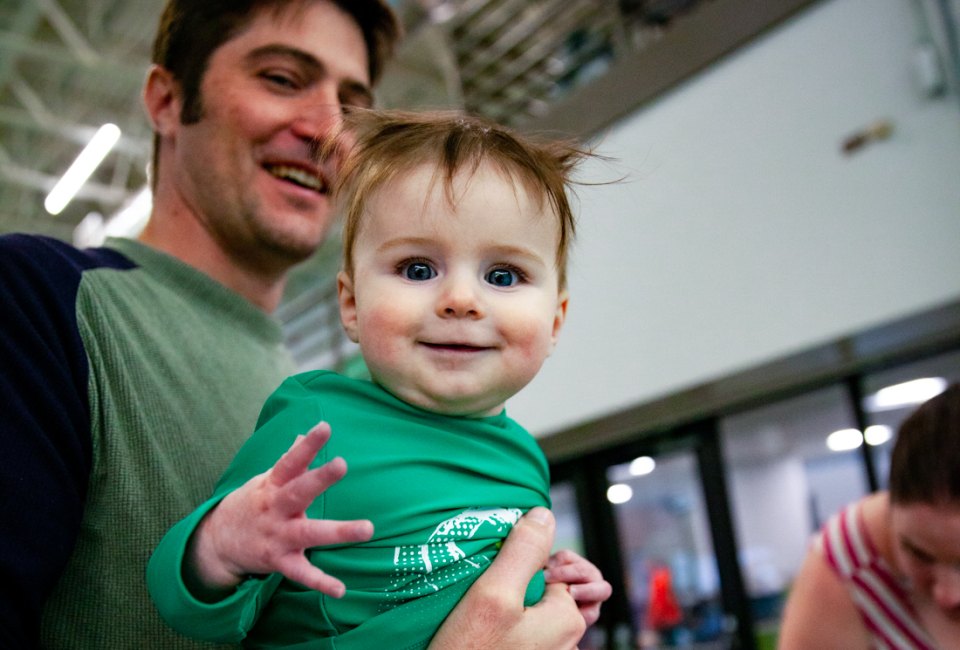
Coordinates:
(390, 144)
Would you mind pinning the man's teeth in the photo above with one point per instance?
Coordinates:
(298, 176)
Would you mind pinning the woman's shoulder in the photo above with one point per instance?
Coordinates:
(875, 515)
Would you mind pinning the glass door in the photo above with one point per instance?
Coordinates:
(672, 581)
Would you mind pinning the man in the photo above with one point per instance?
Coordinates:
(131, 374)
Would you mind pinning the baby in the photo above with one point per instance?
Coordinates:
(453, 284)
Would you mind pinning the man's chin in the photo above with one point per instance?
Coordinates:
(293, 245)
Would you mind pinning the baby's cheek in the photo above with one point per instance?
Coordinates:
(381, 336)
(532, 340)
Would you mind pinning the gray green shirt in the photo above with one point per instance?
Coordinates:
(178, 368)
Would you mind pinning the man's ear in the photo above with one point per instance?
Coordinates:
(559, 317)
(162, 100)
(348, 306)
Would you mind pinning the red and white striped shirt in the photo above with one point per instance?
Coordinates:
(879, 595)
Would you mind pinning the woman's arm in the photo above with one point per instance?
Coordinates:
(819, 612)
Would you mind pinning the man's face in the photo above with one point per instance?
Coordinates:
(249, 169)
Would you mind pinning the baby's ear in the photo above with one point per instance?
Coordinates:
(559, 316)
(348, 306)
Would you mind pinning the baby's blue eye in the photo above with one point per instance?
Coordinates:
(502, 277)
(418, 271)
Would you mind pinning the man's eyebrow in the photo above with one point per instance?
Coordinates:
(275, 49)
(315, 66)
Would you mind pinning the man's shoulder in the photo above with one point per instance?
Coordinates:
(50, 256)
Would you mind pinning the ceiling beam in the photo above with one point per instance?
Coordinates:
(75, 40)
(90, 191)
(79, 133)
(20, 44)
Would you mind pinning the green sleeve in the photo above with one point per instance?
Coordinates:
(227, 620)
(232, 618)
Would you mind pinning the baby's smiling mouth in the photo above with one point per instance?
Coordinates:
(298, 176)
(455, 347)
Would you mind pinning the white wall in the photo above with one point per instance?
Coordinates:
(770, 507)
(743, 233)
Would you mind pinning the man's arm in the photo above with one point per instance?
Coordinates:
(491, 615)
(45, 443)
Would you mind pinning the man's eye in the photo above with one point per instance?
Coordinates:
(503, 277)
(350, 101)
(418, 271)
(279, 79)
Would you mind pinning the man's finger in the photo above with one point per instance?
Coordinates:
(524, 552)
(558, 610)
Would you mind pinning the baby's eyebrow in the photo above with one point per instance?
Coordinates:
(510, 250)
(404, 241)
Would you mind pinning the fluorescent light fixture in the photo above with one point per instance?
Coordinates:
(619, 493)
(844, 440)
(908, 393)
(86, 163)
(642, 466)
(877, 434)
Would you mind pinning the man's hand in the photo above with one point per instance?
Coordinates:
(491, 615)
(262, 526)
(586, 583)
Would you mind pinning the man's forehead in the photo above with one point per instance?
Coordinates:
(315, 28)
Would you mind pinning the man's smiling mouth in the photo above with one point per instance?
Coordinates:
(298, 176)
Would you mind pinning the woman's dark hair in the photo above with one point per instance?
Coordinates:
(925, 467)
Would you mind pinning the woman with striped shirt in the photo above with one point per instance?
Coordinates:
(885, 571)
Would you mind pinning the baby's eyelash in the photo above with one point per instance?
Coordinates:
(522, 275)
(403, 264)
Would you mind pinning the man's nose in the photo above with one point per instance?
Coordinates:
(319, 115)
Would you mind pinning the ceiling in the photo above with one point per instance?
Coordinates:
(66, 68)
(69, 66)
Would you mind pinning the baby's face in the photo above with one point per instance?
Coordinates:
(455, 307)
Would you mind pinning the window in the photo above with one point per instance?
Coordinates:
(784, 482)
(671, 573)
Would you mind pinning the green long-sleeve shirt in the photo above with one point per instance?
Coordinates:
(442, 493)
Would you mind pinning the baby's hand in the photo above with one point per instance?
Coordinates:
(262, 526)
(584, 580)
